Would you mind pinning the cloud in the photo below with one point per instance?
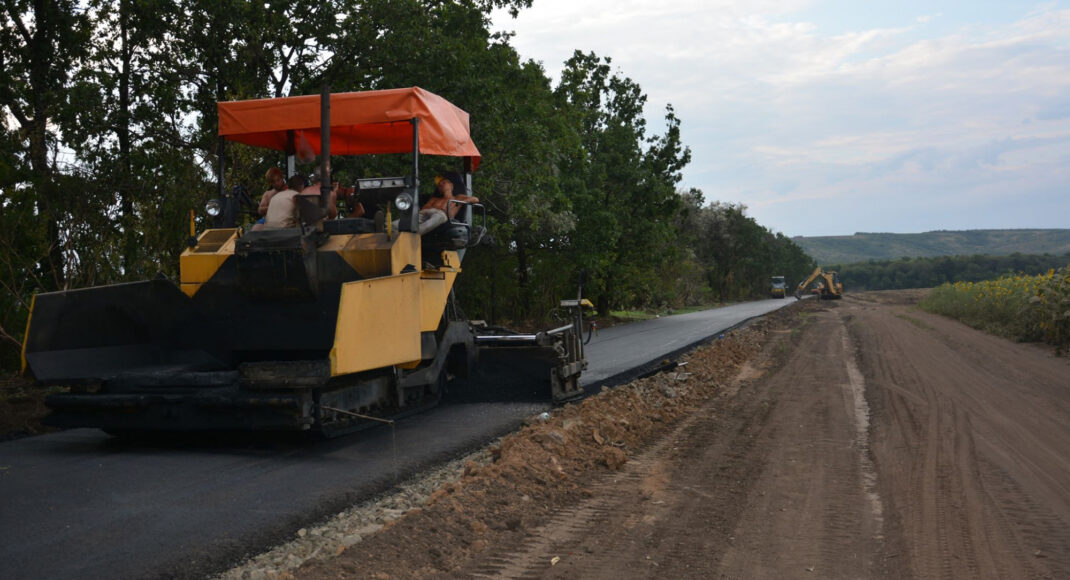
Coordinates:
(792, 120)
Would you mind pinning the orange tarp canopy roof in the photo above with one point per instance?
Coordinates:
(361, 123)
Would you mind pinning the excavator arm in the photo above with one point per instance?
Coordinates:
(806, 283)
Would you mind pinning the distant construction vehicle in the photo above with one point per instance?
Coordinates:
(828, 286)
(778, 288)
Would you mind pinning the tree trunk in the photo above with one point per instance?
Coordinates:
(122, 134)
(522, 280)
(43, 180)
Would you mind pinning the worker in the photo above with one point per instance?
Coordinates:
(314, 189)
(277, 180)
(433, 213)
(282, 210)
(349, 195)
(449, 185)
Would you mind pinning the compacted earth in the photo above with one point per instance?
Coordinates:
(860, 438)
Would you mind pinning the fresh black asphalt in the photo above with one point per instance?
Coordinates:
(80, 504)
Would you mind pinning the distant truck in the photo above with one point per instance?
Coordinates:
(778, 287)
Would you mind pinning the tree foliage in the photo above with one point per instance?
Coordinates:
(108, 142)
(933, 272)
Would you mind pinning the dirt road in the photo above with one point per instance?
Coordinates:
(867, 439)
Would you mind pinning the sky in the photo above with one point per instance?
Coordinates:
(830, 117)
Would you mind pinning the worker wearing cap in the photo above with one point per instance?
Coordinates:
(445, 185)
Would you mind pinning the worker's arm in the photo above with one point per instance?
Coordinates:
(264, 201)
(332, 206)
(454, 208)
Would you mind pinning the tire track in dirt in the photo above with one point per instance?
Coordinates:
(772, 479)
(641, 484)
(861, 414)
(568, 527)
(815, 511)
(970, 440)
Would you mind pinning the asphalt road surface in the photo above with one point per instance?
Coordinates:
(80, 504)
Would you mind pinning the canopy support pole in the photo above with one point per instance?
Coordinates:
(467, 176)
(414, 212)
(291, 148)
(219, 182)
(325, 146)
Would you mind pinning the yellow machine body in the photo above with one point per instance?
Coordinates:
(829, 285)
(381, 316)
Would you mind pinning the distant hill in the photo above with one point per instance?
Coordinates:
(864, 246)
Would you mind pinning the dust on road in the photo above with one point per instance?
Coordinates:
(860, 438)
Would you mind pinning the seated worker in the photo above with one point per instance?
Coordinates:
(433, 213)
(277, 180)
(314, 189)
(282, 210)
(355, 207)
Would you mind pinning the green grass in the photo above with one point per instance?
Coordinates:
(637, 315)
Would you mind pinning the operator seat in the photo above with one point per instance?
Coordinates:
(452, 235)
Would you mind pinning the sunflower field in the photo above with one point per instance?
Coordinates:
(1022, 308)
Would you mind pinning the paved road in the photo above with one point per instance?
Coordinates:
(619, 351)
(79, 504)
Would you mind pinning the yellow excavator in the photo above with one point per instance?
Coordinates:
(324, 327)
(828, 285)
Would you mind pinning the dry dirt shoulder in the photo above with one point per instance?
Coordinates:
(858, 438)
(972, 442)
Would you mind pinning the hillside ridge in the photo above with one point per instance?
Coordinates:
(865, 246)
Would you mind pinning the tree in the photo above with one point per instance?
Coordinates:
(739, 255)
(40, 43)
(128, 134)
(629, 192)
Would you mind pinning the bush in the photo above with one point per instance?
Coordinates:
(1022, 308)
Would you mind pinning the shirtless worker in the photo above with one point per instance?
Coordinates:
(433, 213)
(314, 190)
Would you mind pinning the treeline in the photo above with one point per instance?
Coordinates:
(109, 141)
(932, 272)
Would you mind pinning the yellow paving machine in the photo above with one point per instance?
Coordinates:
(320, 327)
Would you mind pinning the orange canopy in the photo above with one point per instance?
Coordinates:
(361, 123)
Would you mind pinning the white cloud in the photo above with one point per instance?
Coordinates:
(793, 121)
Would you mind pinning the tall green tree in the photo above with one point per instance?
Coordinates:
(41, 41)
(129, 136)
(447, 48)
(738, 255)
(629, 180)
